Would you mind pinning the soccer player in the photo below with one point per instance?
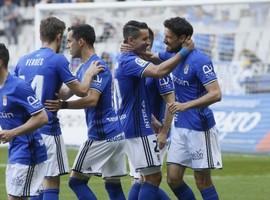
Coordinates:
(160, 91)
(194, 141)
(46, 71)
(103, 152)
(134, 106)
(21, 113)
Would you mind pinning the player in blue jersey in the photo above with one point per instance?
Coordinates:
(46, 71)
(134, 106)
(103, 152)
(194, 141)
(21, 113)
(160, 91)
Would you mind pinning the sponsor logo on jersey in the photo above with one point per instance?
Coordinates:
(164, 81)
(4, 115)
(186, 68)
(140, 62)
(33, 101)
(208, 70)
(97, 80)
(180, 81)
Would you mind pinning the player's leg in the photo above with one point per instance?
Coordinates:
(178, 157)
(204, 159)
(114, 168)
(57, 166)
(143, 153)
(78, 182)
(23, 181)
(81, 169)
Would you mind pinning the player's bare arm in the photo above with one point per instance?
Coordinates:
(213, 95)
(158, 71)
(81, 89)
(162, 136)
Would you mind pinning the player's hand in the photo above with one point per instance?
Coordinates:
(156, 125)
(94, 69)
(124, 47)
(177, 107)
(147, 55)
(162, 139)
(53, 105)
(6, 136)
(188, 43)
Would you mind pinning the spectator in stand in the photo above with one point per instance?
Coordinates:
(10, 15)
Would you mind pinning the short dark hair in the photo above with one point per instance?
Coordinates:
(132, 28)
(4, 55)
(84, 31)
(50, 28)
(179, 26)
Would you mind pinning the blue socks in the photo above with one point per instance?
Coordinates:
(81, 189)
(115, 190)
(134, 191)
(209, 193)
(184, 192)
(149, 192)
(51, 194)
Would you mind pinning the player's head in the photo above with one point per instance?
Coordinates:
(80, 36)
(51, 30)
(136, 34)
(177, 30)
(4, 56)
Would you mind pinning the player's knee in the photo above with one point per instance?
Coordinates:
(174, 181)
(155, 179)
(203, 182)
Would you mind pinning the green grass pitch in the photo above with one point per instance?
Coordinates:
(244, 177)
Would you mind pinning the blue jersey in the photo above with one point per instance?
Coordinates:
(46, 71)
(102, 120)
(17, 104)
(132, 96)
(156, 88)
(190, 78)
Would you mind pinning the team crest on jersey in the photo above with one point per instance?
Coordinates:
(33, 101)
(186, 68)
(140, 62)
(164, 81)
(4, 100)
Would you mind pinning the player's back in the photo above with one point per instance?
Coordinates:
(46, 71)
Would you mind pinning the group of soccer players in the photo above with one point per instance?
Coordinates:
(149, 90)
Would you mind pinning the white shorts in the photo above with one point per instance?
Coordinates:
(24, 180)
(195, 149)
(57, 155)
(105, 157)
(137, 175)
(144, 154)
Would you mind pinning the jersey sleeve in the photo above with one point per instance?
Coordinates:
(27, 99)
(205, 72)
(63, 70)
(135, 66)
(165, 85)
(100, 81)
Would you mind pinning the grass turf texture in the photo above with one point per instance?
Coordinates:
(244, 177)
